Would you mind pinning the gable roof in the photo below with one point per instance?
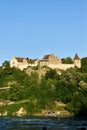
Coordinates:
(33, 60)
(20, 59)
(46, 57)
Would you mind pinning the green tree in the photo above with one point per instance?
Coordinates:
(84, 61)
(16, 92)
(68, 84)
(6, 63)
(67, 60)
(52, 74)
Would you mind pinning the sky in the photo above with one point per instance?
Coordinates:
(34, 28)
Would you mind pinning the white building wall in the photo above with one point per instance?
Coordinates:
(61, 66)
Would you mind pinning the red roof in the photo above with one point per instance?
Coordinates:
(76, 57)
(19, 59)
(46, 57)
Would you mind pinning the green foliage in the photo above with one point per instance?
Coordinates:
(67, 60)
(5, 76)
(30, 108)
(67, 84)
(70, 87)
(52, 74)
(83, 68)
(84, 61)
(78, 104)
(4, 94)
(15, 93)
(6, 63)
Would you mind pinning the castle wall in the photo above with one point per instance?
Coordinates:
(20, 65)
(61, 66)
(50, 61)
(34, 64)
(13, 62)
(43, 63)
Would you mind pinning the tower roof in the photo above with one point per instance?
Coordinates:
(76, 57)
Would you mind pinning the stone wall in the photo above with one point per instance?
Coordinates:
(19, 65)
(61, 66)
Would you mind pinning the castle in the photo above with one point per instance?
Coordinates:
(48, 60)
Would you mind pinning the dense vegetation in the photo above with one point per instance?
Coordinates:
(70, 88)
(67, 60)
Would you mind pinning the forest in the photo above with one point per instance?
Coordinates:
(69, 87)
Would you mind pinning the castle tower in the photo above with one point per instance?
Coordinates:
(77, 61)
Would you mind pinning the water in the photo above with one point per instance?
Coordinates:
(37, 123)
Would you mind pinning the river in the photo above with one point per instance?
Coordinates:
(37, 123)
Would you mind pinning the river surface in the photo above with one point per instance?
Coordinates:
(37, 123)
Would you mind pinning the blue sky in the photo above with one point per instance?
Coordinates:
(33, 28)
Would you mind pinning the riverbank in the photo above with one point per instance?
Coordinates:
(25, 108)
(46, 113)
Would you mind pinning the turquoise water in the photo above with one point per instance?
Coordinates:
(37, 123)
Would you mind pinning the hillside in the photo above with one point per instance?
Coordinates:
(43, 91)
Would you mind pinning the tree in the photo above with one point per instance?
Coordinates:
(67, 60)
(67, 84)
(84, 61)
(52, 74)
(83, 68)
(6, 63)
(16, 92)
